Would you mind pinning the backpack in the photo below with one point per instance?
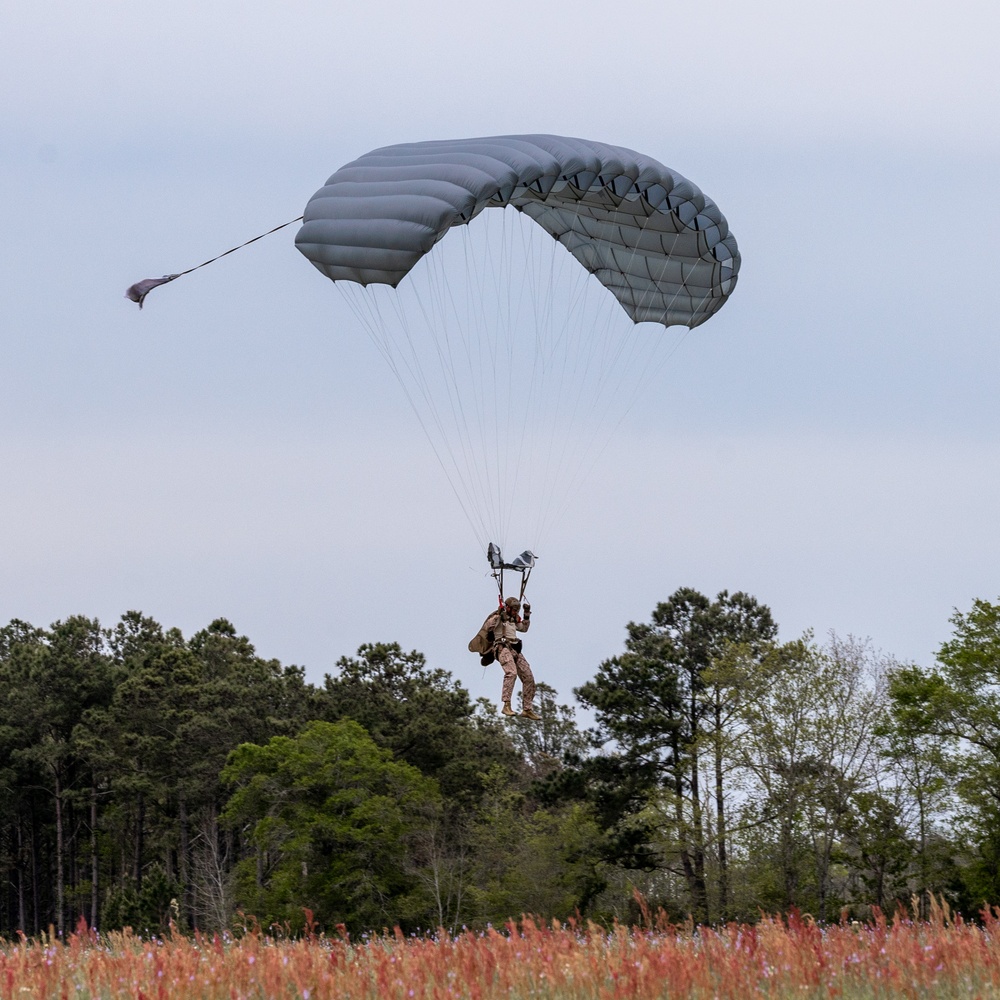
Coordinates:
(482, 643)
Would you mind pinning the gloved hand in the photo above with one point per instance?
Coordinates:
(527, 609)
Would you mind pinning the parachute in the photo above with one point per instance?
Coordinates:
(518, 364)
(649, 235)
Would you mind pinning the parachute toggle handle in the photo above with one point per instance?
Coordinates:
(523, 564)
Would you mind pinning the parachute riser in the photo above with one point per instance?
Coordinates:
(523, 564)
(498, 577)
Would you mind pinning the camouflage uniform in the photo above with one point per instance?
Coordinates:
(506, 647)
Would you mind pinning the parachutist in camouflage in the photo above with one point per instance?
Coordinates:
(498, 639)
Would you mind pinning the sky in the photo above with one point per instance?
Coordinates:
(827, 442)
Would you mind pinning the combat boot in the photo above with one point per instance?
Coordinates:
(507, 710)
(530, 713)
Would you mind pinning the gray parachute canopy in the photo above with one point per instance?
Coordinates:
(649, 235)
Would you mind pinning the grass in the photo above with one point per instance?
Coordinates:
(940, 958)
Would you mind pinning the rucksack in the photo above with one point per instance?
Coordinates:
(482, 643)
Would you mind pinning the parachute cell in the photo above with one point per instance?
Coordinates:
(648, 234)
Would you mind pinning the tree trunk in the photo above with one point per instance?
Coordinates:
(72, 862)
(140, 822)
(789, 874)
(923, 908)
(687, 861)
(35, 894)
(697, 826)
(22, 911)
(60, 883)
(824, 878)
(720, 818)
(94, 866)
(182, 862)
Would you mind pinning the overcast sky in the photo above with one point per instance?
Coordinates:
(828, 442)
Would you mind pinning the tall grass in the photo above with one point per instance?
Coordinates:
(940, 958)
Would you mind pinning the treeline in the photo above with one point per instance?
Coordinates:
(146, 778)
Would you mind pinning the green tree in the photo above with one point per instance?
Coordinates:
(659, 704)
(915, 762)
(422, 715)
(177, 711)
(956, 706)
(809, 745)
(878, 848)
(25, 805)
(530, 859)
(54, 677)
(130, 745)
(547, 745)
(331, 816)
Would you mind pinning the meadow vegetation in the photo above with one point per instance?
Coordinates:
(939, 958)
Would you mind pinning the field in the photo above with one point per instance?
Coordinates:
(942, 958)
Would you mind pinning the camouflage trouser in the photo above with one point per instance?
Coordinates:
(514, 666)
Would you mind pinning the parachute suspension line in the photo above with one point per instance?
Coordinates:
(592, 379)
(442, 305)
(516, 372)
(548, 336)
(477, 330)
(522, 477)
(508, 267)
(520, 397)
(495, 261)
(529, 431)
(501, 334)
(591, 354)
(438, 318)
(477, 466)
(530, 402)
(460, 463)
(616, 364)
(365, 304)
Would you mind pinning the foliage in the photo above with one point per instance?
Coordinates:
(726, 774)
(420, 714)
(330, 815)
(150, 909)
(949, 719)
(943, 959)
(661, 707)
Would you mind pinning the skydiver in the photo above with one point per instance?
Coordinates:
(501, 639)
